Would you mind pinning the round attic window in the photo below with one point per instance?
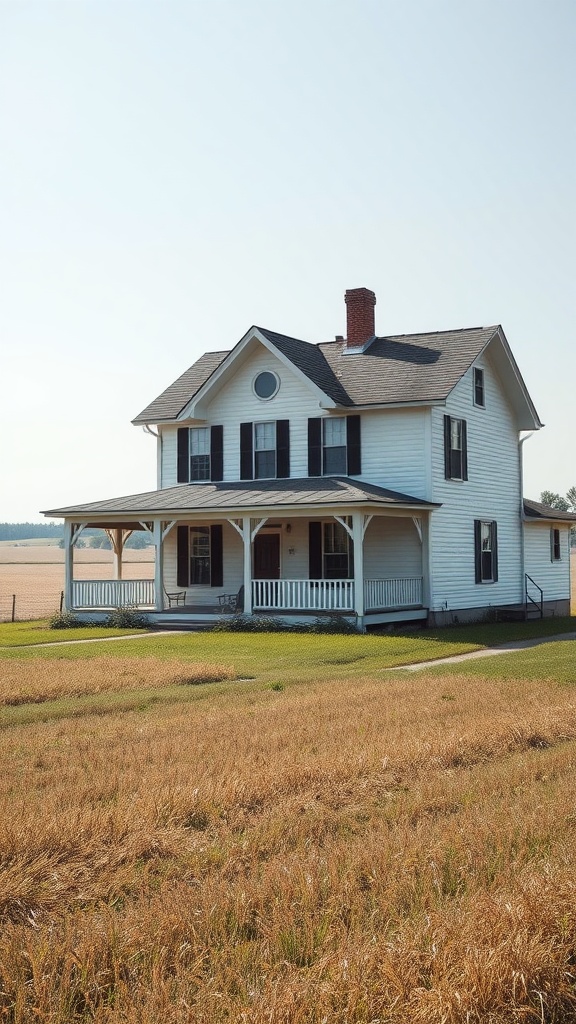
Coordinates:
(266, 384)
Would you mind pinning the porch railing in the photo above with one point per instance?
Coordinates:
(394, 593)
(303, 595)
(112, 593)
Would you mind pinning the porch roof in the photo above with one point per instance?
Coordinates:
(307, 493)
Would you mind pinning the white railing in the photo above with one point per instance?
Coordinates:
(395, 593)
(303, 595)
(112, 593)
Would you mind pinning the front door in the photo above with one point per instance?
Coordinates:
(267, 556)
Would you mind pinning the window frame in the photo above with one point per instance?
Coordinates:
(332, 526)
(265, 451)
(478, 389)
(555, 544)
(331, 421)
(455, 459)
(207, 455)
(194, 560)
(485, 556)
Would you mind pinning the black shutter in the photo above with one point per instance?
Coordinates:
(464, 451)
(216, 453)
(315, 448)
(216, 557)
(182, 557)
(282, 449)
(447, 451)
(246, 459)
(350, 558)
(478, 550)
(315, 551)
(183, 474)
(494, 530)
(353, 445)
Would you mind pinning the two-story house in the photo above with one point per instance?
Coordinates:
(379, 477)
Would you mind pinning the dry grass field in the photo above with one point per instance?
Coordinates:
(35, 574)
(385, 848)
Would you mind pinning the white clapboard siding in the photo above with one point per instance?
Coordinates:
(393, 442)
(492, 492)
(552, 577)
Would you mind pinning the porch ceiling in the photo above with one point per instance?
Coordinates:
(309, 493)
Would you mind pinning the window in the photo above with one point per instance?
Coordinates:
(265, 451)
(266, 385)
(334, 462)
(455, 449)
(334, 446)
(200, 554)
(199, 453)
(479, 386)
(336, 552)
(486, 551)
(555, 549)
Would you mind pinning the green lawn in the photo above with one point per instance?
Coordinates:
(277, 656)
(553, 661)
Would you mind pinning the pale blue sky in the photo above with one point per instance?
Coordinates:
(173, 172)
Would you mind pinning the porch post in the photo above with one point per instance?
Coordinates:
(117, 547)
(158, 567)
(358, 542)
(247, 538)
(68, 565)
(427, 597)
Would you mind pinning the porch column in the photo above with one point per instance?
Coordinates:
(358, 547)
(158, 565)
(117, 548)
(427, 597)
(247, 538)
(68, 565)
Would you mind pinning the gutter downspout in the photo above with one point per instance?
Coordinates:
(521, 441)
(148, 430)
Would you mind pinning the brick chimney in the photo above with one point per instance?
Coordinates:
(360, 331)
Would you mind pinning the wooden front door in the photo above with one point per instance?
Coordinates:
(267, 556)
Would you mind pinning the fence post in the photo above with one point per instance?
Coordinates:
(13, 607)
(61, 600)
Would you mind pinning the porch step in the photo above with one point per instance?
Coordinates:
(190, 626)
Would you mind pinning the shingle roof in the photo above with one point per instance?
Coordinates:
(536, 510)
(396, 369)
(257, 494)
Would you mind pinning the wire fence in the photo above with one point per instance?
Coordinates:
(25, 607)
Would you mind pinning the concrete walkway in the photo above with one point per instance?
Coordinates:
(487, 652)
(86, 640)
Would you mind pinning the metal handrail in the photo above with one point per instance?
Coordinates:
(528, 597)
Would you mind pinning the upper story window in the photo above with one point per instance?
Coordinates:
(485, 551)
(265, 451)
(479, 387)
(455, 449)
(266, 385)
(334, 461)
(334, 446)
(200, 454)
(555, 547)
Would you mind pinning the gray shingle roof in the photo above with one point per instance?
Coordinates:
(536, 510)
(400, 368)
(254, 494)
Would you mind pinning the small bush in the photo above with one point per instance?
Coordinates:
(125, 618)
(63, 620)
(250, 624)
(336, 623)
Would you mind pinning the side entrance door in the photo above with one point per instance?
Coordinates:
(267, 556)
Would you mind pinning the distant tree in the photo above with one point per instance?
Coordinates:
(555, 501)
(100, 540)
(139, 539)
(571, 498)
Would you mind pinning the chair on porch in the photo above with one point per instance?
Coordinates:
(176, 597)
(232, 603)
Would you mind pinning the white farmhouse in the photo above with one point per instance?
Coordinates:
(378, 477)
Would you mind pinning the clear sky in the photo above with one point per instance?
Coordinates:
(172, 172)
